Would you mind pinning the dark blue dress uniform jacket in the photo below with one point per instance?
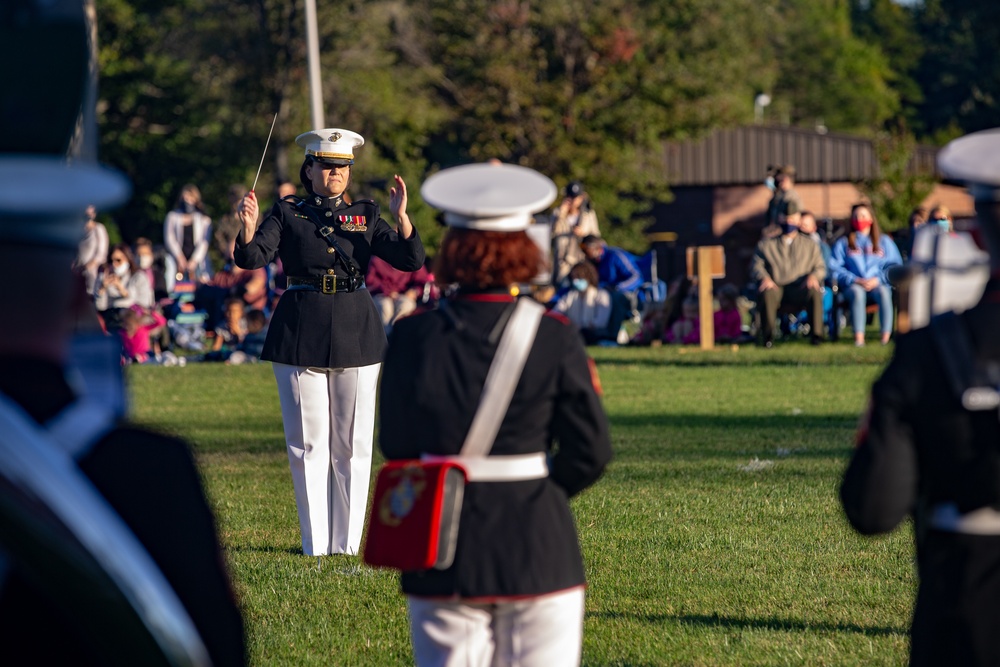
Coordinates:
(515, 538)
(152, 482)
(308, 328)
(919, 448)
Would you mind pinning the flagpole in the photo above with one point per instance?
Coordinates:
(312, 54)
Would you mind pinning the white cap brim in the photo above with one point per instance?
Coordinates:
(42, 199)
(489, 197)
(37, 185)
(973, 159)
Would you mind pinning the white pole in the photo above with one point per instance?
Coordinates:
(315, 87)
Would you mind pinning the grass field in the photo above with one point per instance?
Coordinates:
(715, 538)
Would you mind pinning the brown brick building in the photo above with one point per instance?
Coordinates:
(720, 197)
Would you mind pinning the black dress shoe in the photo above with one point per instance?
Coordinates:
(816, 340)
(768, 343)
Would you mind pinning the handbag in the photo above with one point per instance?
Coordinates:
(414, 516)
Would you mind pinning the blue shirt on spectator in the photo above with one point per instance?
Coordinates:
(617, 269)
(864, 262)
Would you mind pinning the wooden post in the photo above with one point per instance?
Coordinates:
(706, 263)
(706, 311)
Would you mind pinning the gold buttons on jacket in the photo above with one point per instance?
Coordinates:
(329, 214)
(329, 272)
(329, 251)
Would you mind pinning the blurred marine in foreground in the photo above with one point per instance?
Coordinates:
(928, 447)
(108, 548)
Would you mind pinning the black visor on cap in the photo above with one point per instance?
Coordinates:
(335, 161)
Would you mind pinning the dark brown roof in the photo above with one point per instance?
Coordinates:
(742, 156)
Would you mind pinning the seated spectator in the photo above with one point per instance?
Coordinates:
(229, 334)
(917, 219)
(789, 271)
(145, 257)
(120, 285)
(656, 320)
(250, 286)
(941, 216)
(652, 327)
(396, 293)
(728, 320)
(137, 328)
(594, 310)
(617, 269)
(859, 264)
(249, 349)
(686, 330)
(808, 227)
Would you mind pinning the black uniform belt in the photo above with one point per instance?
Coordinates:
(326, 284)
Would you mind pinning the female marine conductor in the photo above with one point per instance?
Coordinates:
(325, 339)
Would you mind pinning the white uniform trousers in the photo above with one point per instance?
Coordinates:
(329, 420)
(543, 631)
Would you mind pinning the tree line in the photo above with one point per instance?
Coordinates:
(578, 89)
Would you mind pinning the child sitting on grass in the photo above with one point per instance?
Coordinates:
(686, 330)
(231, 332)
(250, 347)
(136, 327)
(728, 320)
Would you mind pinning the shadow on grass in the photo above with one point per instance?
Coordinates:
(776, 624)
(736, 435)
(795, 356)
(238, 548)
(756, 422)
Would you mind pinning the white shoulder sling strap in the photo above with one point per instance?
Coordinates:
(501, 380)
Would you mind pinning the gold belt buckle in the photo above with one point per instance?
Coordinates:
(328, 284)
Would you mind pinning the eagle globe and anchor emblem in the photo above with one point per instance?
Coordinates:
(402, 498)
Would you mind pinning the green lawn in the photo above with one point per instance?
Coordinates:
(715, 538)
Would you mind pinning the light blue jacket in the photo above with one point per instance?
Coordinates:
(848, 265)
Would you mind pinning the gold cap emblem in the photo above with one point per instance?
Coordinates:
(335, 136)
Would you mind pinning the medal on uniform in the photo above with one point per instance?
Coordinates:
(353, 223)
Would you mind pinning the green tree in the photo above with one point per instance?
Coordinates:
(893, 28)
(828, 75)
(589, 91)
(960, 69)
(164, 117)
(898, 187)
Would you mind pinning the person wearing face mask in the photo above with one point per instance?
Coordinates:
(859, 263)
(187, 231)
(941, 216)
(789, 270)
(597, 312)
(785, 200)
(122, 284)
(326, 339)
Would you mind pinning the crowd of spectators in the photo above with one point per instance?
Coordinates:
(167, 303)
(170, 305)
